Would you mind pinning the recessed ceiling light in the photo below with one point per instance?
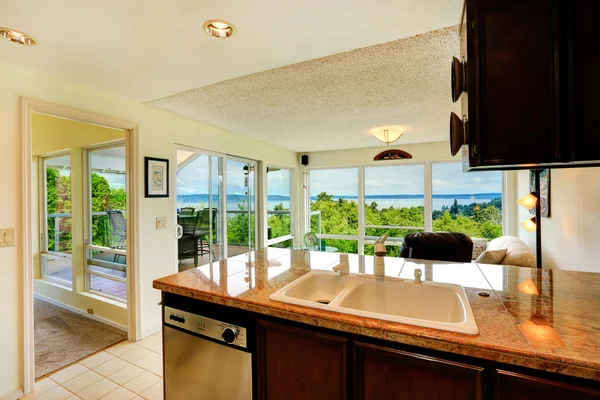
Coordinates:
(17, 37)
(219, 28)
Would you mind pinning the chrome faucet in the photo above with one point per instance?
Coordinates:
(380, 252)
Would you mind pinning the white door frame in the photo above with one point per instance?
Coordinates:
(29, 106)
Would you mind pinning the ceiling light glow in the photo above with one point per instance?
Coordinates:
(17, 37)
(219, 28)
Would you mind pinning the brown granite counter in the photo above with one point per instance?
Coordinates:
(542, 319)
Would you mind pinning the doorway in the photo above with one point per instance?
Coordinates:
(80, 266)
(215, 206)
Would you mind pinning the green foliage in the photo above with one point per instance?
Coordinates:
(279, 225)
(340, 217)
(58, 196)
(237, 226)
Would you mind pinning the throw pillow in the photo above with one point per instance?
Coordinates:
(478, 247)
(491, 256)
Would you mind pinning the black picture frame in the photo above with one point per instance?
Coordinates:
(156, 171)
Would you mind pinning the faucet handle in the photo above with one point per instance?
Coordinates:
(418, 275)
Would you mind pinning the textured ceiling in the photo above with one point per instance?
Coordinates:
(333, 102)
(147, 49)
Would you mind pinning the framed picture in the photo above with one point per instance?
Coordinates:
(157, 177)
(544, 191)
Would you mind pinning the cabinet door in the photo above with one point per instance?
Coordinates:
(514, 106)
(512, 386)
(382, 373)
(585, 79)
(295, 363)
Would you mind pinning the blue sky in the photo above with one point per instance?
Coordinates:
(448, 178)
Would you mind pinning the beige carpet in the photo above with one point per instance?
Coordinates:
(63, 337)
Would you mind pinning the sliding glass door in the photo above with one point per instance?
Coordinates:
(241, 228)
(215, 206)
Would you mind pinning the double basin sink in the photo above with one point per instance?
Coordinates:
(428, 304)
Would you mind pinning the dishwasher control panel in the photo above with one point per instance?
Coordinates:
(218, 330)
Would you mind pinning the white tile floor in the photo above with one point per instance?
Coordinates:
(123, 372)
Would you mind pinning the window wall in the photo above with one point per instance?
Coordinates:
(279, 207)
(351, 207)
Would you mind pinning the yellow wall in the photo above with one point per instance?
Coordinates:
(159, 132)
(571, 236)
(52, 134)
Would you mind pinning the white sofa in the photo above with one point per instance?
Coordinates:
(518, 253)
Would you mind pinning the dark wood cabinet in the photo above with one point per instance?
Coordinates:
(532, 83)
(513, 386)
(584, 83)
(295, 363)
(384, 373)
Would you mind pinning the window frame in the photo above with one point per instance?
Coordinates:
(43, 221)
(362, 238)
(89, 247)
(291, 236)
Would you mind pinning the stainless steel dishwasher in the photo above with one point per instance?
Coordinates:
(207, 351)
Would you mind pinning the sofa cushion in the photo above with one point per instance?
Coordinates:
(491, 257)
(440, 246)
(518, 253)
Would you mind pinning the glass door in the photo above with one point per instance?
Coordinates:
(106, 218)
(241, 188)
(200, 201)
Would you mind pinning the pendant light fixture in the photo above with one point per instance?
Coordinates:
(387, 134)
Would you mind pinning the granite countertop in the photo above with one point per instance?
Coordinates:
(542, 319)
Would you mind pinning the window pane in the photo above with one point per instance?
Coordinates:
(278, 202)
(58, 204)
(338, 246)
(394, 196)
(469, 202)
(109, 197)
(240, 203)
(334, 201)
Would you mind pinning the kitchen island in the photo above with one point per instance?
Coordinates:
(538, 329)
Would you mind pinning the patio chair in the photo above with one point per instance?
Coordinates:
(203, 223)
(187, 211)
(118, 231)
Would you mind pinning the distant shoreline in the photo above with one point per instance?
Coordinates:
(199, 197)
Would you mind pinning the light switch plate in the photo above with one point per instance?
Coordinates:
(161, 223)
(7, 237)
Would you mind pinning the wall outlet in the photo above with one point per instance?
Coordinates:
(7, 237)
(90, 310)
(161, 223)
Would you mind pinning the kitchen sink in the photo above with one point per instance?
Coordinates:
(428, 304)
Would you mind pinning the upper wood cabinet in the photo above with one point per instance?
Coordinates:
(532, 83)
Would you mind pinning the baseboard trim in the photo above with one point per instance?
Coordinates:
(80, 312)
(149, 332)
(17, 394)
